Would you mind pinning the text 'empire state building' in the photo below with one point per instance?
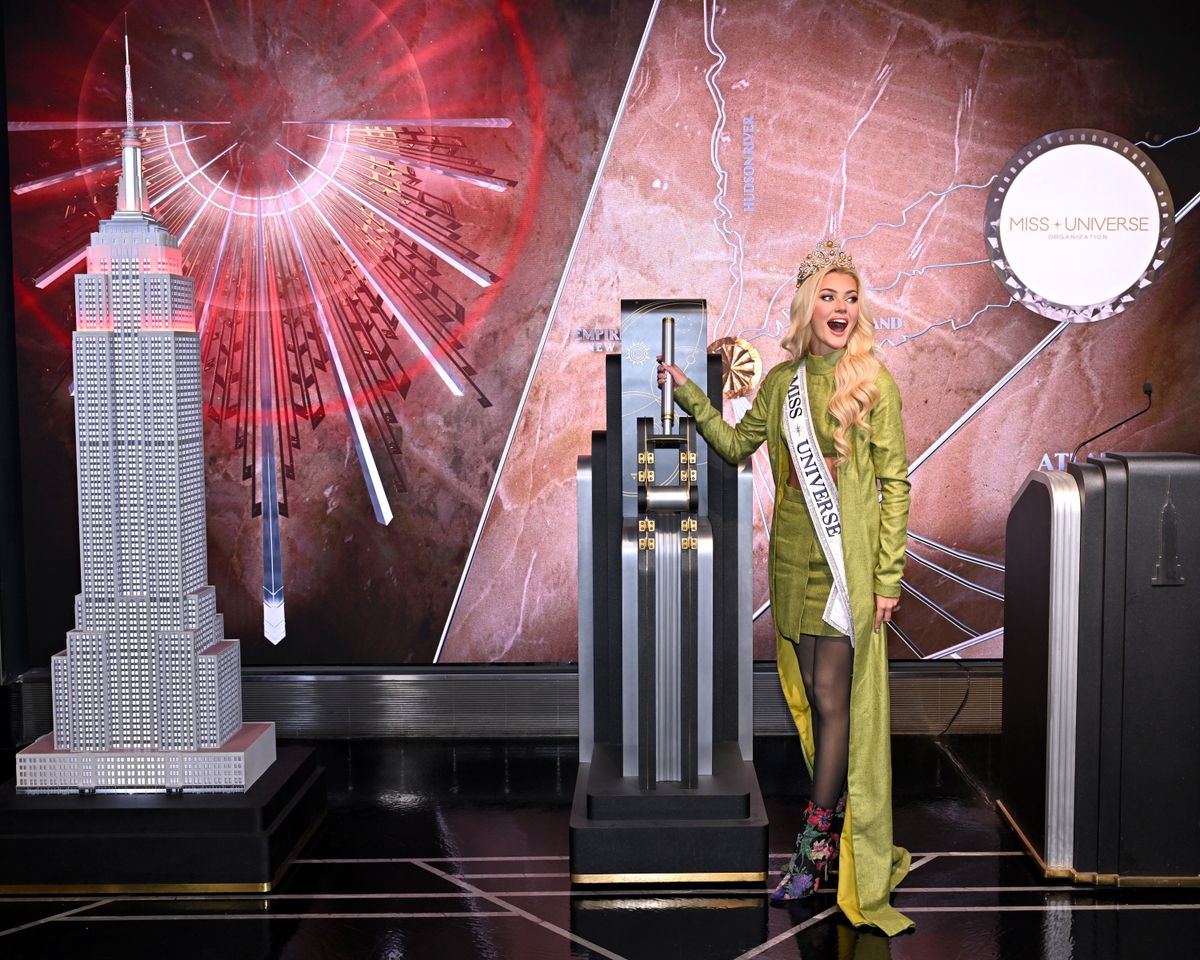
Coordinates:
(147, 695)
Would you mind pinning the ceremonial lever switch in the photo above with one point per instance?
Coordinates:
(666, 790)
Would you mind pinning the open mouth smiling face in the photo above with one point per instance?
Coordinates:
(835, 312)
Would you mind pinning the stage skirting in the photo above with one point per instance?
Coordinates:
(529, 702)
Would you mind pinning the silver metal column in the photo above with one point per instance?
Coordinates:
(629, 649)
(1063, 663)
(745, 617)
(583, 527)
(668, 754)
(667, 408)
(704, 651)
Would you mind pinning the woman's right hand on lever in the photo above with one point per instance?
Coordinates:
(677, 375)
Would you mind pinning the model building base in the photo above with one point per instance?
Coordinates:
(230, 768)
(159, 842)
(715, 833)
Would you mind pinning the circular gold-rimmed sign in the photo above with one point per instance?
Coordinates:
(1078, 224)
(741, 366)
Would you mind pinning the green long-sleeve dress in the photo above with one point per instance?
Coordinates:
(873, 490)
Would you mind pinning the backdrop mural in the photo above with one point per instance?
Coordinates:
(375, 204)
(410, 226)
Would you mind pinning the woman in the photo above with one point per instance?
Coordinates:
(831, 420)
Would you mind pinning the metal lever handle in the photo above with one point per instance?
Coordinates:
(668, 385)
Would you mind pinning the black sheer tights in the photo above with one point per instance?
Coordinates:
(825, 667)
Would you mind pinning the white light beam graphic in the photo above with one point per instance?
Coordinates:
(484, 278)
(201, 208)
(445, 375)
(409, 122)
(362, 447)
(476, 179)
(31, 185)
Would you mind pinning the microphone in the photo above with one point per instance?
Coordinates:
(1148, 390)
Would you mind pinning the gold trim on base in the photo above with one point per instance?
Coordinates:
(611, 900)
(1086, 876)
(264, 887)
(1188, 881)
(668, 877)
(1095, 879)
(14, 888)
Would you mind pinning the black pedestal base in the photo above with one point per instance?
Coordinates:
(716, 833)
(126, 843)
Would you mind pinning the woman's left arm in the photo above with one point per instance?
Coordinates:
(890, 462)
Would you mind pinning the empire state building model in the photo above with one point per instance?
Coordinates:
(147, 695)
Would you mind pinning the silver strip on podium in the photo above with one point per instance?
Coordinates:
(587, 713)
(668, 758)
(745, 600)
(704, 651)
(629, 649)
(1063, 664)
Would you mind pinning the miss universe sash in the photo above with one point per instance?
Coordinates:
(821, 498)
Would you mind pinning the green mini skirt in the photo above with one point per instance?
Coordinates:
(798, 560)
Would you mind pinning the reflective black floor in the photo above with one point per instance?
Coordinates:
(449, 850)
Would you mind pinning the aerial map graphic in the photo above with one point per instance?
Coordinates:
(883, 126)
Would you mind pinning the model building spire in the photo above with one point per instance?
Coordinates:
(131, 189)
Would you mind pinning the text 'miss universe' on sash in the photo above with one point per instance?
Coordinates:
(820, 496)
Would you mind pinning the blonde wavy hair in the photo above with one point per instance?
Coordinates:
(854, 390)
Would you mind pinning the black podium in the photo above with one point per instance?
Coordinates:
(1102, 670)
(666, 789)
(160, 842)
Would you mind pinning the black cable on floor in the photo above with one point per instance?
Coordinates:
(962, 704)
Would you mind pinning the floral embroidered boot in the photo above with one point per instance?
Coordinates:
(839, 820)
(816, 849)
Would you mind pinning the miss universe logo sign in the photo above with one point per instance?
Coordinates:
(1078, 224)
